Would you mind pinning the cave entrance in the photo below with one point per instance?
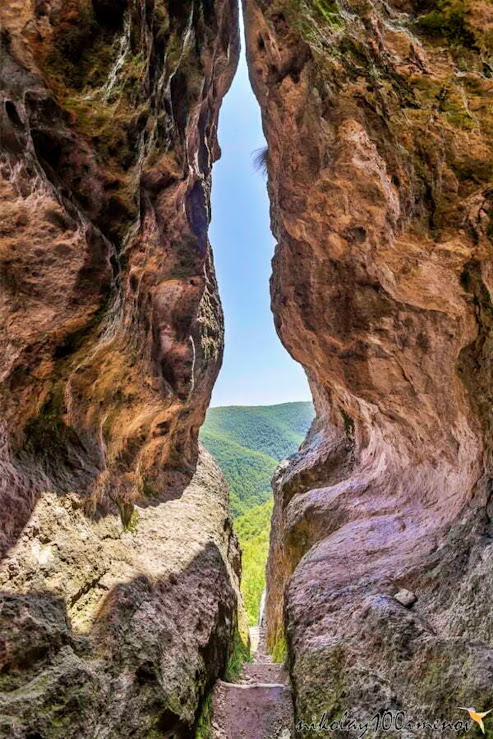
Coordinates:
(261, 406)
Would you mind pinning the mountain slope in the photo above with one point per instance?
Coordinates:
(249, 441)
(253, 529)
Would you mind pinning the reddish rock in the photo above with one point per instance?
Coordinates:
(111, 338)
(111, 323)
(379, 128)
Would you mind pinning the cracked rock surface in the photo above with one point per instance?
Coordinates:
(379, 124)
(120, 569)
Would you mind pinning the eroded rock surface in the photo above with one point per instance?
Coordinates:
(108, 631)
(110, 340)
(379, 123)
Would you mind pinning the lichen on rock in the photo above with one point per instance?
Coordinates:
(113, 629)
(111, 337)
(378, 119)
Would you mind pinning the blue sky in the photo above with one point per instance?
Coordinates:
(256, 370)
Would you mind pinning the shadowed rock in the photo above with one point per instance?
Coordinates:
(120, 569)
(114, 632)
(111, 325)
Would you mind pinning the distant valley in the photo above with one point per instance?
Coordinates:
(248, 442)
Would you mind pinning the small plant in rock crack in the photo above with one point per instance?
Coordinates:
(260, 159)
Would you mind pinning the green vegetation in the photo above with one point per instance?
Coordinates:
(330, 11)
(253, 532)
(248, 472)
(239, 655)
(203, 729)
(248, 442)
(280, 650)
(449, 19)
(133, 522)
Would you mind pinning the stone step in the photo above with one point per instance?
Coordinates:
(252, 711)
(259, 640)
(263, 672)
(254, 638)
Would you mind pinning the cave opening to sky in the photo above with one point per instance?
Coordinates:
(256, 370)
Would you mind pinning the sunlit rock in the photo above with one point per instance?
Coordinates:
(378, 118)
(119, 582)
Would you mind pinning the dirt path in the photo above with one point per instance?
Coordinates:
(259, 706)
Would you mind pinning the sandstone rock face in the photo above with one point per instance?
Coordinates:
(119, 577)
(379, 123)
(112, 632)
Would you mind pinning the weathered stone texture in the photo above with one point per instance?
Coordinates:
(111, 338)
(379, 123)
(117, 632)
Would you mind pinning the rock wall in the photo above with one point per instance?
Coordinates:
(379, 124)
(120, 568)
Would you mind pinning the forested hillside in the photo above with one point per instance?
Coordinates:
(248, 442)
(253, 530)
